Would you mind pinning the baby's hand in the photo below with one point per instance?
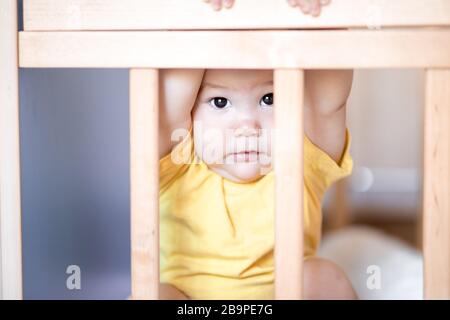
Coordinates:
(217, 4)
(307, 6)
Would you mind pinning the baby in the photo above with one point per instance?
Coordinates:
(217, 183)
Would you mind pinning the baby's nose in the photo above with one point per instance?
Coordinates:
(246, 131)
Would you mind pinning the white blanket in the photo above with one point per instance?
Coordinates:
(378, 265)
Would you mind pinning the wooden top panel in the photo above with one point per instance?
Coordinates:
(79, 15)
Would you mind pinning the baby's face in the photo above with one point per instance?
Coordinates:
(232, 123)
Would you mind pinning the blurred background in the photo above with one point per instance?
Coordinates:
(75, 183)
(385, 121)
(373, 217)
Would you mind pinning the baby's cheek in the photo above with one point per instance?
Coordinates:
(265, 141)
(211, 151)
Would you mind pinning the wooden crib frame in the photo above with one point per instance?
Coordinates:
(145, 36)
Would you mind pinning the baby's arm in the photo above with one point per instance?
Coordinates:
(178, 92)
(326, 94)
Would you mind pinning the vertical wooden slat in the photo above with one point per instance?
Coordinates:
(144, 163)
(10, 209)
(436, 208)
(288, 166)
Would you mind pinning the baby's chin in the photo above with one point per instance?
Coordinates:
(244, 172)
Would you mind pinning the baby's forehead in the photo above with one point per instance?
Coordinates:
(232, 78)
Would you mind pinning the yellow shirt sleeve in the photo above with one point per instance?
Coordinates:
(321, 171)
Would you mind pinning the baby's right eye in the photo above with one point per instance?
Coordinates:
(219, 102)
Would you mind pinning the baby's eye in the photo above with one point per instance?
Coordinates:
(267, 100)
(219, 102)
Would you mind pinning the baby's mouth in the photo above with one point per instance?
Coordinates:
(245, 156)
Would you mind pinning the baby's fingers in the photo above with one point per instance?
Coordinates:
(312, 7)
(228, 3)
(325, 2)
(309, 6)
(217, 4)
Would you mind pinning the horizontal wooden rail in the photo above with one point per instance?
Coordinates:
(237, 49)
(46, 15)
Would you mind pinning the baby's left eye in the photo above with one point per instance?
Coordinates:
(267, 100)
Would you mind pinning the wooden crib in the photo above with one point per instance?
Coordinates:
(144, 36)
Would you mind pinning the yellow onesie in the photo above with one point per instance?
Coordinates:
(217, 236)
